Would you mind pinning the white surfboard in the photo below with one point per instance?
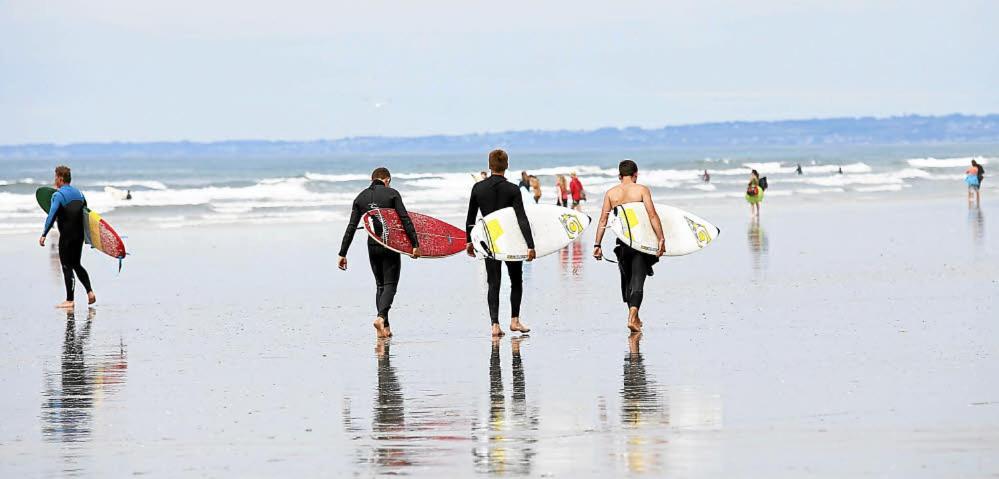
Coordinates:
(553, 227)
(684, 232)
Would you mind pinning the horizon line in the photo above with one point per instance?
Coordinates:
(500, 132)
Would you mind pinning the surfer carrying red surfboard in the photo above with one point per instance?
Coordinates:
(67, 210)
(489, 195)
(385, 263)
(633, 264)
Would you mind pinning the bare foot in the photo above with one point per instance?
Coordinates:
(517, 327)
(634, 324)
(66, 305)
(388, 332)
(497, 331)
(379, 325)
(91, 298)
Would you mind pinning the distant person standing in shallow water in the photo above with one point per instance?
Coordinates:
(973, 177)
(706, 177)
(67, 210)
(488, 196)
(535, 188)
(576, 190)
(798, 169)
(385, 263)
(754, 194)
(634, 265)
(562, 191)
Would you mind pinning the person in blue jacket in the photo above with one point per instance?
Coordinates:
(67, 211)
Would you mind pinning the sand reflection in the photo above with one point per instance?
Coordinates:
(758, 245)
(79, 387)
(976, 220)
(505, 444)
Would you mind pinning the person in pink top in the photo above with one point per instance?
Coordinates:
(973, 177)
(576, 190)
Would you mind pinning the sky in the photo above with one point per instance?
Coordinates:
(205, 70)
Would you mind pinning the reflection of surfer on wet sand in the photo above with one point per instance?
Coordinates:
(66, 411)
(504, 451)
(641, 404)
(758, 245)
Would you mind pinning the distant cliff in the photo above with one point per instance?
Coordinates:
(834, 131)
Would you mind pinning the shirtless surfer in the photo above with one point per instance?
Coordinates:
(633, 264)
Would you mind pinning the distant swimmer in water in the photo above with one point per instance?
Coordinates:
(706, 177)
(385, 263)
(634, 265)
(67, 211)
(535, 188)
(973, 177)
(841, 170)
(798, 169)
(487, 196)
(128, 194)
(754, 194)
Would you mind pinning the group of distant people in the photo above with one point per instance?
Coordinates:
(974, 176)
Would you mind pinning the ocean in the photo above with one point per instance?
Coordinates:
(181, 192)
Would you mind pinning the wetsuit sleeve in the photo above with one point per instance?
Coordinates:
(525, 226)
(407, 223)
(53, 208)
(348, 236)
(473, 210)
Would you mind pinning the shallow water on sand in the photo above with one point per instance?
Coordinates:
(846, 341)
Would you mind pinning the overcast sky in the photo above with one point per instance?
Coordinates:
(133, 70)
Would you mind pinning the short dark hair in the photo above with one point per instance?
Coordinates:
(498, 160)
(627, 168)
(63, 171)
(381, 173)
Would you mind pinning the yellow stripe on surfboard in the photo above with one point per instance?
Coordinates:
(94, 225)
(495, 231)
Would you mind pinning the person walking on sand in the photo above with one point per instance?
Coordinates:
(67, 210)
(562, 188)
(634, 265)
(973, 177)
(576, 189)
(754, 194)
(535, 188)
(385, 263)
(487, 196)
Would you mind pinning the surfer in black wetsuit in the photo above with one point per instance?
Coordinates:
(634, 265)
(67, 211)
(385, 263)
(491, 194)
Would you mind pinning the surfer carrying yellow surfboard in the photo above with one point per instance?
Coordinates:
(67, 211)
(489, 195)
(633, 264)
(385, 263)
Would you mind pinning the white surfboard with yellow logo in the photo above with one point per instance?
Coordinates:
(685, 232)
(498, 235)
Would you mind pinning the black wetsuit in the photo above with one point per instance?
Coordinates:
(385, 263)
(491, 194)
(66, 210)
(634, 266)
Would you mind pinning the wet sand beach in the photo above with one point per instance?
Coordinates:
(835, 339)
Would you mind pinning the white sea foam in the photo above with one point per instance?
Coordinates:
(151, 184)
(336, 178)
(964, 162)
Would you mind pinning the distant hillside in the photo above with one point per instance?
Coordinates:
(835, 131)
